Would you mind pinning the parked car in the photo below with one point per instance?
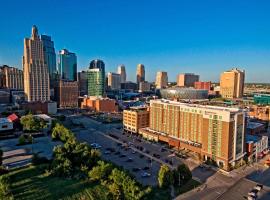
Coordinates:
(145, 174)
(95, 145)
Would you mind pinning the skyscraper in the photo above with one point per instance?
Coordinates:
(49, 57)
(122, 71)
(67, 65)
(96, 78)
(232, 83)
(35, 69)
(140, 73)
(187, 80)
(161, 80)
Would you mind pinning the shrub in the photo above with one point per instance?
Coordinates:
(22, 140)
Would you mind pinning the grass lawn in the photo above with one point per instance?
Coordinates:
(32, 183)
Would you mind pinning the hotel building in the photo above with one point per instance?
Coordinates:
(187, 79)
(161, 80)
(215, 133)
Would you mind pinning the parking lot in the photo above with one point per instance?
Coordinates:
(138, 164)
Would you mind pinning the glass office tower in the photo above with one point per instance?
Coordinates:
(67, 68)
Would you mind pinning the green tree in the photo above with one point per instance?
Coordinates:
(164, 176)
(182, 174)
(60, 132)
(22, 140)
(101, 171)
(31, 123)
(73, 158)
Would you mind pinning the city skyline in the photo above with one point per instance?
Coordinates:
(212, 38)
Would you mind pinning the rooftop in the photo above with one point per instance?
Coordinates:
(228, 109)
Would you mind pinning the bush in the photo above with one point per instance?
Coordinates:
(22, 140)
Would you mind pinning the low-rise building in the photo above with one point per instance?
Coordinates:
(256, 146)
(255, 128)
(135, 118)
(99, 104)
(66, 94)
(260, 112)
(38, 107)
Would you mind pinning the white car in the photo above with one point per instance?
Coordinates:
(145, 174)
(258, 187)
(95, 145)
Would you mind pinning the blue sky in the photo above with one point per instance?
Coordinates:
(201, 36)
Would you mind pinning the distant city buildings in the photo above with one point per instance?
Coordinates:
(161, 80)
(232, 83)
(140, 74)
(122, 71)
(215, 133)
(202, 85)
(144, 86)
(49, 57)
(67, 65)
(35, 69)
(114, 81)
(187, 79)
(11, 77)
(67, 94)
(96, 78)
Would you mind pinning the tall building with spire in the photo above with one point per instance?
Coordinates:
(122, 71)
(140, 73)
(35, 69)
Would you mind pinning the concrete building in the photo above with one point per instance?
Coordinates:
(144, 86)
(67, 65)
(187, 79)
(99, 104)
(140, 73)
(35, 69)
(11, 77)
(232, 83)
(49, 57)
(202, 85)
(179, 93)
(114, 81)
(135, 118)
(161, 80)
(214, 133)
(66, 94)
(122, 71)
